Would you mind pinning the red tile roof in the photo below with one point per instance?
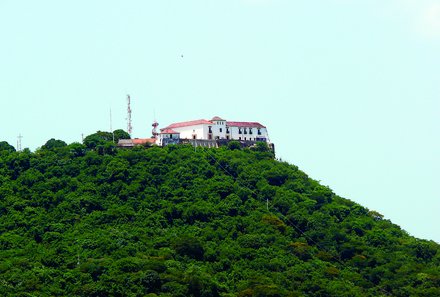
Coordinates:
(143, 140)
(189, 123)
(135, 141)
(168, 131)
(205, 122)
(245, 124)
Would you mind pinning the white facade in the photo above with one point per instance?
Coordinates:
(193, 132)
(218, 128)
(168, 136)
(249, 133)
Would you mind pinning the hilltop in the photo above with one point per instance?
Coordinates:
(93, 220)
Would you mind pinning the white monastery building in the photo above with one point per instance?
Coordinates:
(215, 129)
(213, 133)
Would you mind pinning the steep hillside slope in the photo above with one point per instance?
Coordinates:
(177, 221)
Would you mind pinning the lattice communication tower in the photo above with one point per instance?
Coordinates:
(129, 126)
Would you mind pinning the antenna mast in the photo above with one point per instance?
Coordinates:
(129, 126)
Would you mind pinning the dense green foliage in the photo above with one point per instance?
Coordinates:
(92, 220)
(104, 140)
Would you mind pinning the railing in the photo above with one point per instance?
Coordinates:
(216, 143)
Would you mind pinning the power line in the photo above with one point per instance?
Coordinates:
(338, 260)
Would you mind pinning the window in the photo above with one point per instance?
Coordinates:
(259, 132)
(245, 131)
(239, 138)
(250, 130)
(209, 129)
(227, 136)
(239, 130)
(171, 135)
(221, 130)
(209, 136)
(194, 136)
(227, 130)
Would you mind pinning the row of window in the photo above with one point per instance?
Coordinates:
(240, 130)
(245, 131)
(227, 137)
(217, 137)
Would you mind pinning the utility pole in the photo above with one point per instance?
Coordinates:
(19, 138)
(111, 126)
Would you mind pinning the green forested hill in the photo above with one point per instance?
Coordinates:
(80, 220)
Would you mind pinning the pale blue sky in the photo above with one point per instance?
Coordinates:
(349, 90)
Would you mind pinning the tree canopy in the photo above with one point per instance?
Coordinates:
(85, 220)
(53, 144)
(101, 138)
(6, 147)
